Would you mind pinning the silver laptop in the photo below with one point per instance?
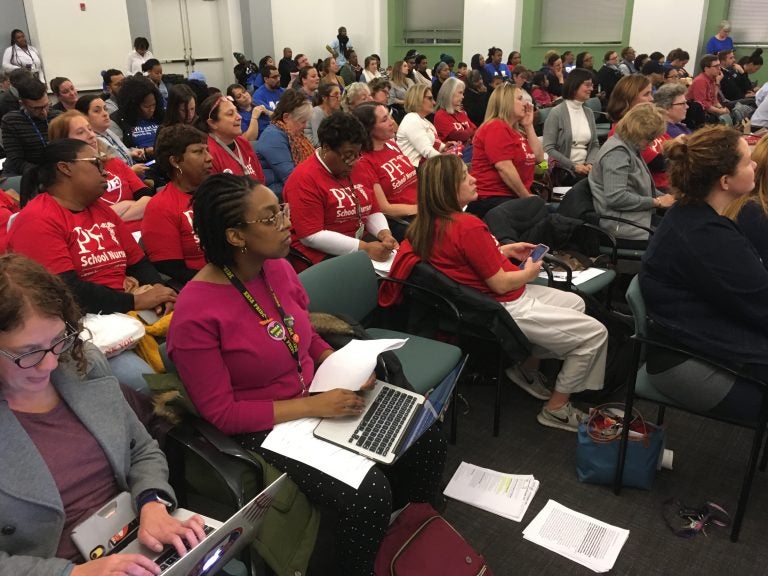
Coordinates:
(392, 420)
(221, 544)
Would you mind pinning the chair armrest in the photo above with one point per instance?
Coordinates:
(293, 253)
(223, 455)
(549, 259)
(398, 220)
(696, 356)
(629, 222)
(437, 296)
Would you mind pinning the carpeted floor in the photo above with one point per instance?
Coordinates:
(709, 462)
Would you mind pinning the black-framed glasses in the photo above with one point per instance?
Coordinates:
(98, 162)
(278, 219)
(33, 358)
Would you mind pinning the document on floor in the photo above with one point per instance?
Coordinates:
(507, 495)
(583, 539)
(295, 440)
(350, 367)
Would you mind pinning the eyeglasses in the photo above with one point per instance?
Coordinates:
(278, 219)
(98, 162)
(714, 65)
(349, 158)
(219, 101)
(32, 359)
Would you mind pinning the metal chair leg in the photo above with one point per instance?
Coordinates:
(741, 508)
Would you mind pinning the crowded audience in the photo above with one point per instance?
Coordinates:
(160, 193)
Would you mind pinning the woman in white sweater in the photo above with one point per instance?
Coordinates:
(417, 136)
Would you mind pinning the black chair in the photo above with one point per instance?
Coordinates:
(640, 386)
(480, 317)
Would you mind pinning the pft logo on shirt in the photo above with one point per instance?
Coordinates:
(346, 206)
(98, 244)
(400, 171)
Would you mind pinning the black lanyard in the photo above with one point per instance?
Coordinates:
(37, 130)
(289, 336)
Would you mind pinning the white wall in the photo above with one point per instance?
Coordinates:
(306, 27)
(481, 32)
(78, 44)
(664, 24)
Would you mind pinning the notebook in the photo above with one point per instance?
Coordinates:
(392, 419)
(107, 529)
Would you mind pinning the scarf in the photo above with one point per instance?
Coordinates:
(301, 147)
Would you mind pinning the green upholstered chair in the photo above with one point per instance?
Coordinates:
(348, 286)
(640, 386)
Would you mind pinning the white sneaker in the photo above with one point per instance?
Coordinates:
(567, 417)
(531, 382)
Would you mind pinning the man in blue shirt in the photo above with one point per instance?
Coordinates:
(268, 95)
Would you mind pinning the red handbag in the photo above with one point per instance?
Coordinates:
(420, 542)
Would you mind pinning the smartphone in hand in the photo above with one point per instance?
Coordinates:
(536, 254)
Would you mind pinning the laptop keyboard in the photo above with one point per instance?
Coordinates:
(382, 421)
(171, 556)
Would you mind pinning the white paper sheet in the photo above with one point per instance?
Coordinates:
(578, 277)
(295, 440)
(507, 495)
(351, 366)
(382, 268)
(583, 539)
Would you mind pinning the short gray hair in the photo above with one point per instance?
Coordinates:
(667, 93)
(445, 95)
(725, 25)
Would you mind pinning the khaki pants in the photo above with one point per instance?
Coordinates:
(555, 323)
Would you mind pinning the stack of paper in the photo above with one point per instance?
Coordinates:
(507, 495)
(589, 542)
(295, 439)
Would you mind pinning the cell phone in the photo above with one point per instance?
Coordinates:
(536, 254)
(149, 163)
(149, 317)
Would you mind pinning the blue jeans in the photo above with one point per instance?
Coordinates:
(128, 368)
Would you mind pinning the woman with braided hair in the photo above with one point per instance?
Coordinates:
(247, 376)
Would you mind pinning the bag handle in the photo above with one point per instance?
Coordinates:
(606, 421)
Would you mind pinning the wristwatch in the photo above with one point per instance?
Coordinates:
(152, 496)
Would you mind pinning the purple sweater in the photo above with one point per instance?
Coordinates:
(231, 367)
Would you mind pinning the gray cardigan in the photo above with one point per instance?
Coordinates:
(622, 186)
(558, 137)
(31, 511)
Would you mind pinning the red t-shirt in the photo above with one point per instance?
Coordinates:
(167, 229)
(224, 162)
(468, 253)
(390, 169)
(703, 90)
(7, 209)
(456, 126)
(321, 202)
(122, 182)
(494, 142)
(94, 243)
(651, 153)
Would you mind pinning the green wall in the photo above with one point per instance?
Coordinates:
(533, 51)
(397, 48)
(717, 11)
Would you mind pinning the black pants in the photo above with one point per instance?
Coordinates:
(363, 514)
